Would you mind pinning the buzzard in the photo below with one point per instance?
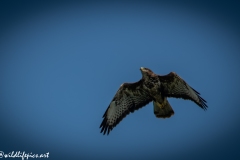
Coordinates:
(152, 87)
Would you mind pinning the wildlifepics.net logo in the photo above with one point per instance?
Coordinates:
(22, 155)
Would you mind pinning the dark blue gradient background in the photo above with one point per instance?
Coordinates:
(62, 62)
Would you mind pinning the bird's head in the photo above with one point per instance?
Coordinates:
(146, 72)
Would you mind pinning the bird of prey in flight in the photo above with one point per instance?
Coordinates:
(152, 87)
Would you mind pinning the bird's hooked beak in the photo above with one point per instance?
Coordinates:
(143, 70)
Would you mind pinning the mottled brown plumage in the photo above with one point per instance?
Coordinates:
(152, 87)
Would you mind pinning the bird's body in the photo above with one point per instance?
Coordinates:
(152, 87)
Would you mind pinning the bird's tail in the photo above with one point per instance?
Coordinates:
(162, 110)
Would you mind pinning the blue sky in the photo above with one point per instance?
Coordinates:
(61, 64)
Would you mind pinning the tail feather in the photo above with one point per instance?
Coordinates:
(163, 110)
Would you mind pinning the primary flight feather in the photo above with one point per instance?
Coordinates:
(152, 87)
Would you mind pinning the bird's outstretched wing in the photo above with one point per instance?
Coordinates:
(129, 97)
(174, 86)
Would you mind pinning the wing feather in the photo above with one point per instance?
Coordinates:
(129, 97)
(174, 86)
